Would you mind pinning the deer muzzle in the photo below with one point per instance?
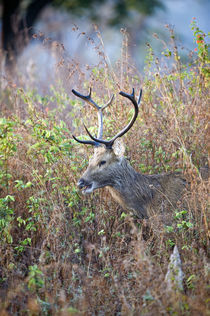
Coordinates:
(86, 186)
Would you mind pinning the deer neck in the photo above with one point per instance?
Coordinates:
(131, 189)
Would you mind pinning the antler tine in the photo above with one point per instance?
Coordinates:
(89, 142)
(100, 117)
(96, 140)
(89, 100)
(108, 103)
(139, 99)
(131, 97)
(86, 98)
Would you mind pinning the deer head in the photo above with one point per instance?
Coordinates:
(107, 162)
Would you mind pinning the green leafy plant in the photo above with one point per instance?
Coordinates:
(6, 218)
(35, 278)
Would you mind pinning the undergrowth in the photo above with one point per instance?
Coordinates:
(66, 254)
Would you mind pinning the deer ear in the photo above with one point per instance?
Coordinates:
(118, 147)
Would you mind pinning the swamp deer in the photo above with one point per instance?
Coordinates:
(145, 195)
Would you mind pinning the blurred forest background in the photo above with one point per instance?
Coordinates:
(71, 23)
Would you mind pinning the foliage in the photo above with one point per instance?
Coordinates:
(66, 254)
(121, 9)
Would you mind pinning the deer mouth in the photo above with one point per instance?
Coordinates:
(86, 187)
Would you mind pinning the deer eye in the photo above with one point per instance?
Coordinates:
(102, 162)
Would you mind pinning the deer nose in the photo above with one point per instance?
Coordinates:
(82, 183)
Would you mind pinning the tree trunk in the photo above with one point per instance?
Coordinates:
(10, 10)
(14, 23)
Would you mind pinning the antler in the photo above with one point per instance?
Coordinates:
(109, 143)
(100, 109)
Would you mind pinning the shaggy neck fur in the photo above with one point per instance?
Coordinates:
(139, 193)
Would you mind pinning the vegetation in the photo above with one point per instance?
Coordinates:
(66, 254)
